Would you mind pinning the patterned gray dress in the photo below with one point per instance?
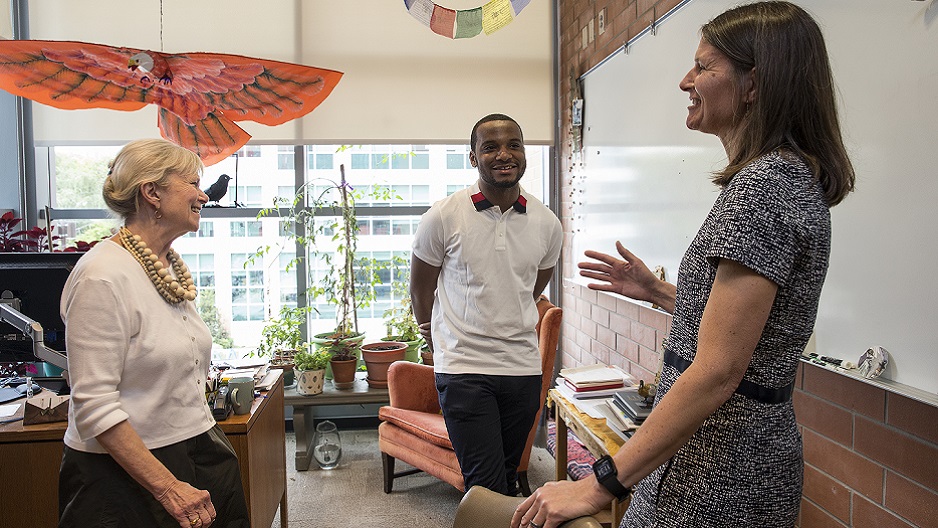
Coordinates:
(744, 466)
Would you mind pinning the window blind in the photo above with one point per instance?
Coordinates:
(402, 83)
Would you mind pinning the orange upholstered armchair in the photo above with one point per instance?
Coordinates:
(412, 429)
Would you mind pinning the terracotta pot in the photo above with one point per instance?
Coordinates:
(426, 355)
(310, 382)
(343, 373)
(378, 357)
(413, 353)
(324, 339)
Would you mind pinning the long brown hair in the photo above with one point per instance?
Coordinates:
(795, 106)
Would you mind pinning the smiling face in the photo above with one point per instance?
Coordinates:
(718, 94)
(499, 153)
(181, 202)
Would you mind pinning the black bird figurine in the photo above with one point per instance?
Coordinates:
(217, 190)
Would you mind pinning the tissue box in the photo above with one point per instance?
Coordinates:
(45, 408)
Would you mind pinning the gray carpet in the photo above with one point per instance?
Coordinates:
(353, 494)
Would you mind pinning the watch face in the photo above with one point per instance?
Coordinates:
(603, 467)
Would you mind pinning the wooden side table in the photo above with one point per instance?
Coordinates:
(304, 411)
(596, 436)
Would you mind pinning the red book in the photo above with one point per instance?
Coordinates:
(612, 385)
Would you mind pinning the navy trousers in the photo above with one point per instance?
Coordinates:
(488, 419)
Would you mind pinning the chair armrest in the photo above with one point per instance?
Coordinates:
(412, 386)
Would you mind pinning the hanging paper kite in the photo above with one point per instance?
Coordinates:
(467, 23)
(200, 95)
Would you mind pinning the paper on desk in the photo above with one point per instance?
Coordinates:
(238, 373)
(588, 407)
(596, 374)
(9, 410)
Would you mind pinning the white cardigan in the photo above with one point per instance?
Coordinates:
(131, 355)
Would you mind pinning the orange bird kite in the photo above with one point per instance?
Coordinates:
(199, 95)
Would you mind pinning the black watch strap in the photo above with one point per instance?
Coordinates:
(608, 477)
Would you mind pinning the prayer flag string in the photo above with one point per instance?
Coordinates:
(466, 23)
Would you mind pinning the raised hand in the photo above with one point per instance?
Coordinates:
(628, 276)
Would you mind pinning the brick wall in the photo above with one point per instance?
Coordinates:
(871, 457)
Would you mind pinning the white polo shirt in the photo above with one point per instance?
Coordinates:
(483, 310)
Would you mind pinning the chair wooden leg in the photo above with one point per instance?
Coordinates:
(387, 461)
(523, 483)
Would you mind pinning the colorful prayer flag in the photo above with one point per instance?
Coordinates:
(443, 21)
(468, 23)
(495, 15)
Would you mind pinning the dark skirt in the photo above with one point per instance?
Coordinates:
(95, 491)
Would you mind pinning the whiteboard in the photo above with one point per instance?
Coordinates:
(644, 177)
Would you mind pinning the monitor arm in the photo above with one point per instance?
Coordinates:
(10, 314)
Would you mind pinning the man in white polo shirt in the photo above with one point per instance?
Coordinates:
(480, 259)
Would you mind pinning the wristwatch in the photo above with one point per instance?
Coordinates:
(606, 474)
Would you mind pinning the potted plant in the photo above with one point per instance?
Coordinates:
(426, 355)
(343, 362)
(282, 339)
(310, 371)
(326, 208)
(402, 327)
(378, 357)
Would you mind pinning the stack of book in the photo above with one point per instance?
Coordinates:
(593, 381)
(632, 404)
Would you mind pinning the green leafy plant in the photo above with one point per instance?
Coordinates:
(312, 360)
(283, 333)
(341, 350)
(325, 208)
(399, 319)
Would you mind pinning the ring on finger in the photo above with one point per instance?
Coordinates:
(194, 522)
(533, 524)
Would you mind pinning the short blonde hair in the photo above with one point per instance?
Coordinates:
(140, 162)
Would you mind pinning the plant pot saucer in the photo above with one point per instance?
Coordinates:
(343, 385)
(377, 384)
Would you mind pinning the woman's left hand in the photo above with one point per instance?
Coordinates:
(556, 502)
(191, 507)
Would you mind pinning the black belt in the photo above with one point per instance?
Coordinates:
(746, 388)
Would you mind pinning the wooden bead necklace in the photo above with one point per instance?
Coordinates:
(173, 289)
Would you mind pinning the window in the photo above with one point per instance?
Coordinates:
(228, 237)
(248, 196)
(247, 289)
(206, 230)
(319, 161)
(458, 159)
(202, 268)
(247, 228)
(285, 160)
(287, 280)
(250, 151)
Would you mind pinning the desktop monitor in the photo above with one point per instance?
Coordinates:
(37, 280)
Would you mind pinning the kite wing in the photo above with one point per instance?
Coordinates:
(200, 95)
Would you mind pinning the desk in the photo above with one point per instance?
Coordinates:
(595, 435)
(303, 411)
(30, 457)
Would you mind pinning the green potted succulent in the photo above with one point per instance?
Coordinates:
(311, 371)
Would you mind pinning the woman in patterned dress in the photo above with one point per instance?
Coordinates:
(721, 447)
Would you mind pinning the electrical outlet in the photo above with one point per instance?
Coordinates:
(592, 33)
(602, 21)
